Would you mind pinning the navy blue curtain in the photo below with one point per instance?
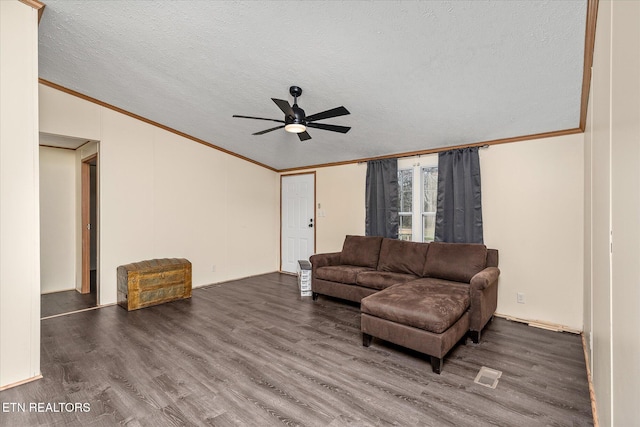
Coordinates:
(381, 198)
(459, 209)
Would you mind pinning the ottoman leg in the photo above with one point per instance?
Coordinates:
(436, 364)
(366, 339)
(475, 336)
(314, 296)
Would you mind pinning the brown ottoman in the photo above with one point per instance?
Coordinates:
(426, 315)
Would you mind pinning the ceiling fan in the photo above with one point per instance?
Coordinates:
(295, 120)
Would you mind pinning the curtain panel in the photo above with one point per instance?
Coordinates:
(459, 209)
(381, 198)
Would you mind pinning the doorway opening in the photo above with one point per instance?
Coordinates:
(90, 226)
(69, 215)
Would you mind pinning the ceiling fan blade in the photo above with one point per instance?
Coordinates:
(333, 128)
(304, 136)
(284, 106)
(267, 130)
(334, 112)
(258, 118)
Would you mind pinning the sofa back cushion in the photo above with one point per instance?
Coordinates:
(455, 261)
(400, 256)
(362, 251)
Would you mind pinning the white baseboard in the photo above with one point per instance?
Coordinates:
(17, 383)
(541, 324)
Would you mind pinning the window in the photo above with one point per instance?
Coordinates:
(429, 202)
(417, 203)
(405, 211)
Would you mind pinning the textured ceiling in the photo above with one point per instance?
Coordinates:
(61, 141)
(415, 75)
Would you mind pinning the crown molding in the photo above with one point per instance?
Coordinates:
(441, 149)
(151, 122)
(589, 45)
(36, 5)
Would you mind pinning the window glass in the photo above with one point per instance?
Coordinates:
(429, 202)
(417, 204)
(428, 227)
(429, 189)
(405, 230)
(405, 181)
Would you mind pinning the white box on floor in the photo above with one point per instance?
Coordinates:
(304, 278)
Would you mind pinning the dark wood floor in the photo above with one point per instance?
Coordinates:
(65, 302)
(252, 352)
(57, 303)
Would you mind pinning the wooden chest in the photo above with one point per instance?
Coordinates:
(146, 283)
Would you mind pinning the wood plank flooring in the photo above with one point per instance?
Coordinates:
(65, 302)
(254, 353)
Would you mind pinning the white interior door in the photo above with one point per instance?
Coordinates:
(298, 220)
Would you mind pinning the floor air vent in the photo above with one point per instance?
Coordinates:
(488, 377)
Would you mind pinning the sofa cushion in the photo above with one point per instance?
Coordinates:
(401, 256)
(382, 279)
(362, 251)
(340, 273)
(422, 304)
(455, 261)
(434, 281)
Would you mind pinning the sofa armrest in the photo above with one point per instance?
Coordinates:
(484, 299)
(323, 260)
(485, 278)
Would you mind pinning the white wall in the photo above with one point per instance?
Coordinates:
(625, 210)
(162, 195)
(598, 172)
(57, 219)
(532, 202)
(19, 211)
(532, 194)
(340, 193)
(74, 116)
(612, 183)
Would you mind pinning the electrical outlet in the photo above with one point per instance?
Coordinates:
(213, 268)
(520, 298)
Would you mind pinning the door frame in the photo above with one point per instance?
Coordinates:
(85, 200)
(315, 222)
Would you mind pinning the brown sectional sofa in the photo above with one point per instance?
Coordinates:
(424, 296)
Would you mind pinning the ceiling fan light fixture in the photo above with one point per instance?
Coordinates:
(295, 120)
(295, 128)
